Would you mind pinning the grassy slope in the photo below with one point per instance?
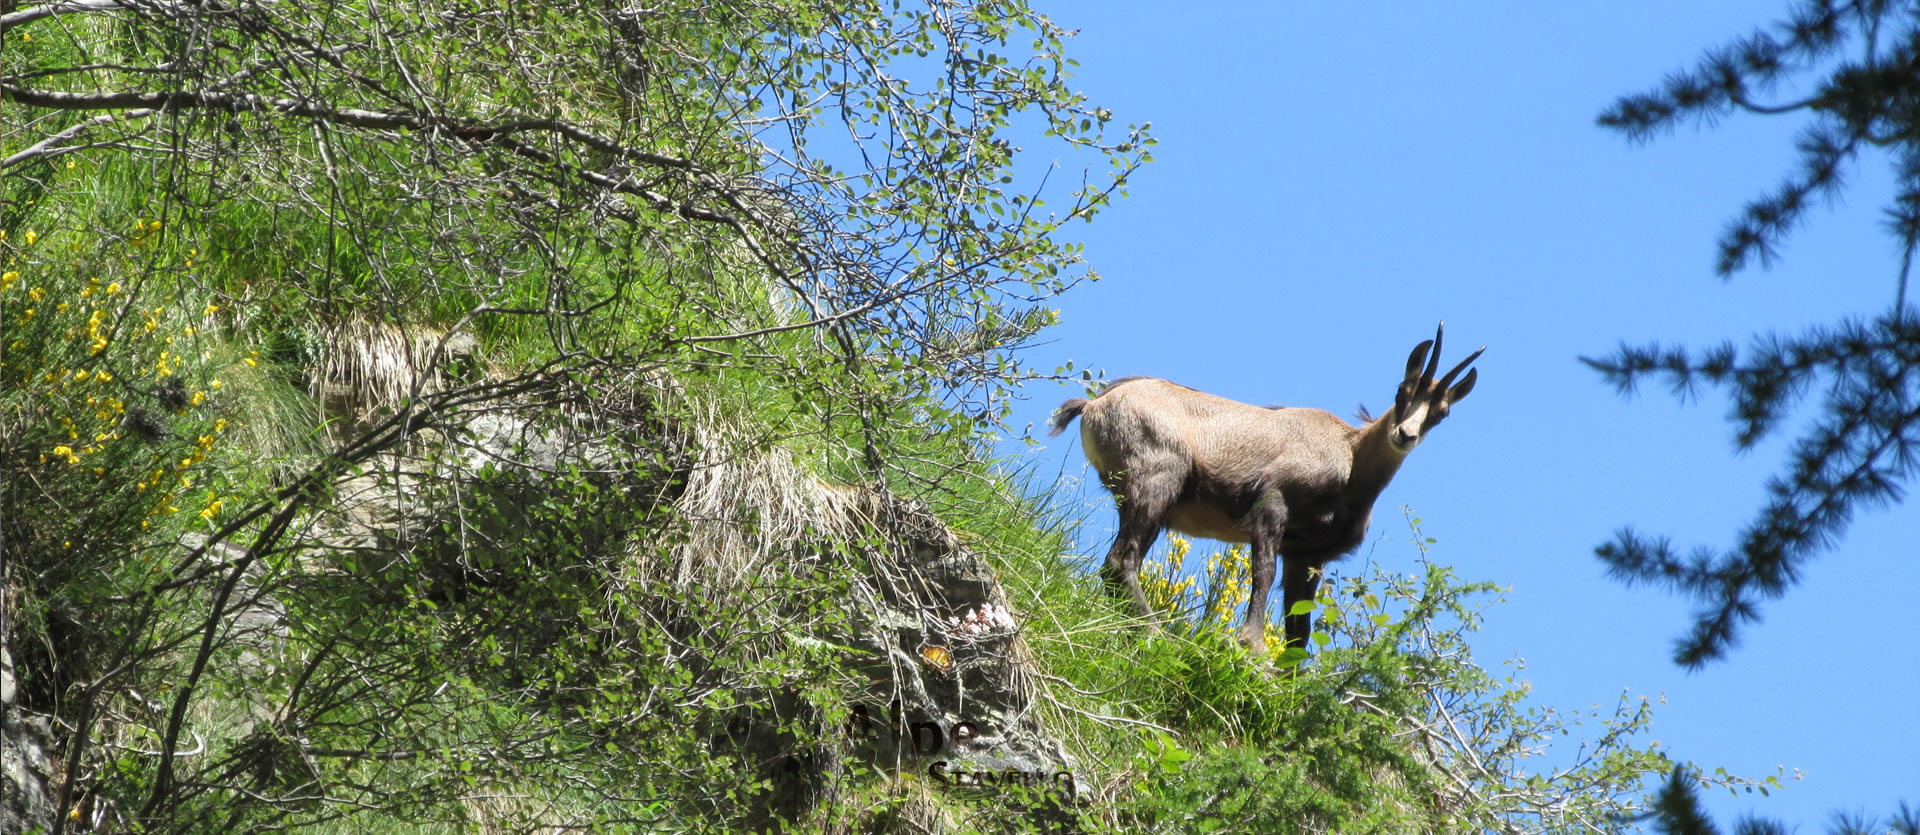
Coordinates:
(545, 692)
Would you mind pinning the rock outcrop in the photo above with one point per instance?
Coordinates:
(950, 697)
(26, 764)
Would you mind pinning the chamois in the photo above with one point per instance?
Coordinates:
(1297, 485)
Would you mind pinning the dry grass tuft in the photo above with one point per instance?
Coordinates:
(367, 365)
(750, 506)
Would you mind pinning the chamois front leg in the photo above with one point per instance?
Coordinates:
(1301, 583)
(1266, 523)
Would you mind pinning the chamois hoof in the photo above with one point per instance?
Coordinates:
(1254, 637)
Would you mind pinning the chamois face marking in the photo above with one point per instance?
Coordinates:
(1410, 429)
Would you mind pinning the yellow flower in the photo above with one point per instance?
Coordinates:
(252, 363)
(113, 288)
(211, 309)
(199, 397)
(214, 384)
(32, 236)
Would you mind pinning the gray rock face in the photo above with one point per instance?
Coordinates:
(474, 481)
(953, 699)
(26, 767)
(256, 621)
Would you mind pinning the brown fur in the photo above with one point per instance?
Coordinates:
(1296, 484)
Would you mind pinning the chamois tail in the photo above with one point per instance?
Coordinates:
(1065, 414)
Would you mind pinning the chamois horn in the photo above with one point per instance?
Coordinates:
(1448, 380)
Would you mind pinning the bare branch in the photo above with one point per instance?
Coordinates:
(52, 147)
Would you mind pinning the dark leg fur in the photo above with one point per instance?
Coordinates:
(1302, 582)
(1122, 568)
(1143, 502)
(1266, 522)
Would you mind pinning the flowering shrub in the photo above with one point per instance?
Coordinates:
(1228, 576)
(120, 396)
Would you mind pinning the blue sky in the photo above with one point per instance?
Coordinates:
(1334, 178)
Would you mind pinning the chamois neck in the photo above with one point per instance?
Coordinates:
(1375, 460)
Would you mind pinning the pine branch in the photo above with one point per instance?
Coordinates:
(1860, 453)
(1867, 101)
(1676, 810)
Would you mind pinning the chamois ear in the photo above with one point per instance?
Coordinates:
(1460, 391)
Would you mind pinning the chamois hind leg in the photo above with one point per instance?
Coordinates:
(1266, 523)
(1143, 501)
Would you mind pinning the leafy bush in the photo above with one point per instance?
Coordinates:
(1390, 727)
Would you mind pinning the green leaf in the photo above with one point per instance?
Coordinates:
(1172, 756)
(1291, 657)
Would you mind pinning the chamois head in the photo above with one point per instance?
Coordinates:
(1421, 403)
